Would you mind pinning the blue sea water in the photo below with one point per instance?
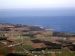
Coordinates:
(58, 23)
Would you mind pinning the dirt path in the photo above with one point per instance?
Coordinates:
(53, 54)
(1, 54)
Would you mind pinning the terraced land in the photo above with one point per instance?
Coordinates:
(61, 52)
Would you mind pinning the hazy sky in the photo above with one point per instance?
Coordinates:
(30, 4)
(48, 8)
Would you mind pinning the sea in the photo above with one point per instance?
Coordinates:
(57, 23)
